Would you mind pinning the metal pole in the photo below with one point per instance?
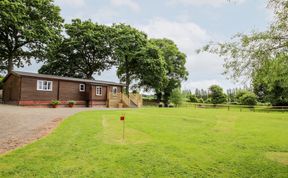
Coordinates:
(123, 136)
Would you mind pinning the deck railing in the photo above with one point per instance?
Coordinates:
(121, 98)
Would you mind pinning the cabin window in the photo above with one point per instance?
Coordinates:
(82, 87)
(99, 91)
(43, 85)
(114, 90)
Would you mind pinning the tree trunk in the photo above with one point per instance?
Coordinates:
(10, 66)
(159, 97)
(127, 76)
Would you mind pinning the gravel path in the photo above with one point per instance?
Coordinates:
(22, 125)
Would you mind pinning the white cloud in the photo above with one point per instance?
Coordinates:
(72, 3)
(187, 35)
(204, 69)
(132, 4)
(204, 2)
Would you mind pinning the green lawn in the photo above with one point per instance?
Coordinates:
(159, 143)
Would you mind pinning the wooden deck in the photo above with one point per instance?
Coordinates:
(121, 100)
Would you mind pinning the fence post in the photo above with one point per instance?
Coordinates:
(228, 108)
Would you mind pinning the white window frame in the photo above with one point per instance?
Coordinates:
(99, 90)
(80, 87)
(113, 89)
(42, 87)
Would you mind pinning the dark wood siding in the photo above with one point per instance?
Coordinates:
(70, 91)
(29, 90)
(11, 89)
(103, 97)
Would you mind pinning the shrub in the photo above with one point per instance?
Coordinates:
(176, 97)
(71, 102)
(171, 105)
(1, 83)
(161, 105)
(208, 100)
(217, 95)
(193, 99)
(201, 100)
(248, 99)
(55, 102)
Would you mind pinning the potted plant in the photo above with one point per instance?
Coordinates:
(71, 103)
(55, 103)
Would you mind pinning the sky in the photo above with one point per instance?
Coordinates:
(189, 23)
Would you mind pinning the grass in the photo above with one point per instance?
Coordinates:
(162, 142)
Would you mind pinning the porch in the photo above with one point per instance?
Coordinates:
(120, 100)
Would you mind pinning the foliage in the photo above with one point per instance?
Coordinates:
(1, 82)
(176, 97)
(85, 50)
(193, 98)
(271, 82)
(208, 100)
(248, 98)
(26, 28)
(128, 43)
(72, 102)
(161, 105)
(55, 102)
(82, 147)
(201, 100)
(217, 95)
(175, 68)
(150, 68)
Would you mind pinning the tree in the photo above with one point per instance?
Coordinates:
(26, 27)
(85, 50)
(176, 97)
(1, 82)
(150, 67)
(217, 95)
(175, 67)
(193, 98)
(248, 98)
(128, 42)
(270, 82)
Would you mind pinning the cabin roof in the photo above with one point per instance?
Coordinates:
(95, 82)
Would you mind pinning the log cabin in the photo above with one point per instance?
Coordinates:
(31, 89)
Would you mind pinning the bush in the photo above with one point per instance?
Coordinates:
(201, 100)
(193, 99)
(71, 102)
(171, 105)
(176, 97)
(161, 105)
(55, 102)
(217, 95)
(208, 100)
(248, 99)
(1, 83)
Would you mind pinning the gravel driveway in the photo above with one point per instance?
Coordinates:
(22, 125)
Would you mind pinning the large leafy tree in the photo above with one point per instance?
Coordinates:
(217, 95)
(128, 43)
(26, 27)
(151, 68)
(270, 81)
(175, 67)
(85, 50)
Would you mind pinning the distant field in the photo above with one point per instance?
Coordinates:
(159, 142)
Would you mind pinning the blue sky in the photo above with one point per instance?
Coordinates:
(190, 23)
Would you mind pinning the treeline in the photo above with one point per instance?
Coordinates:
(216, 95)
(35, 30)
